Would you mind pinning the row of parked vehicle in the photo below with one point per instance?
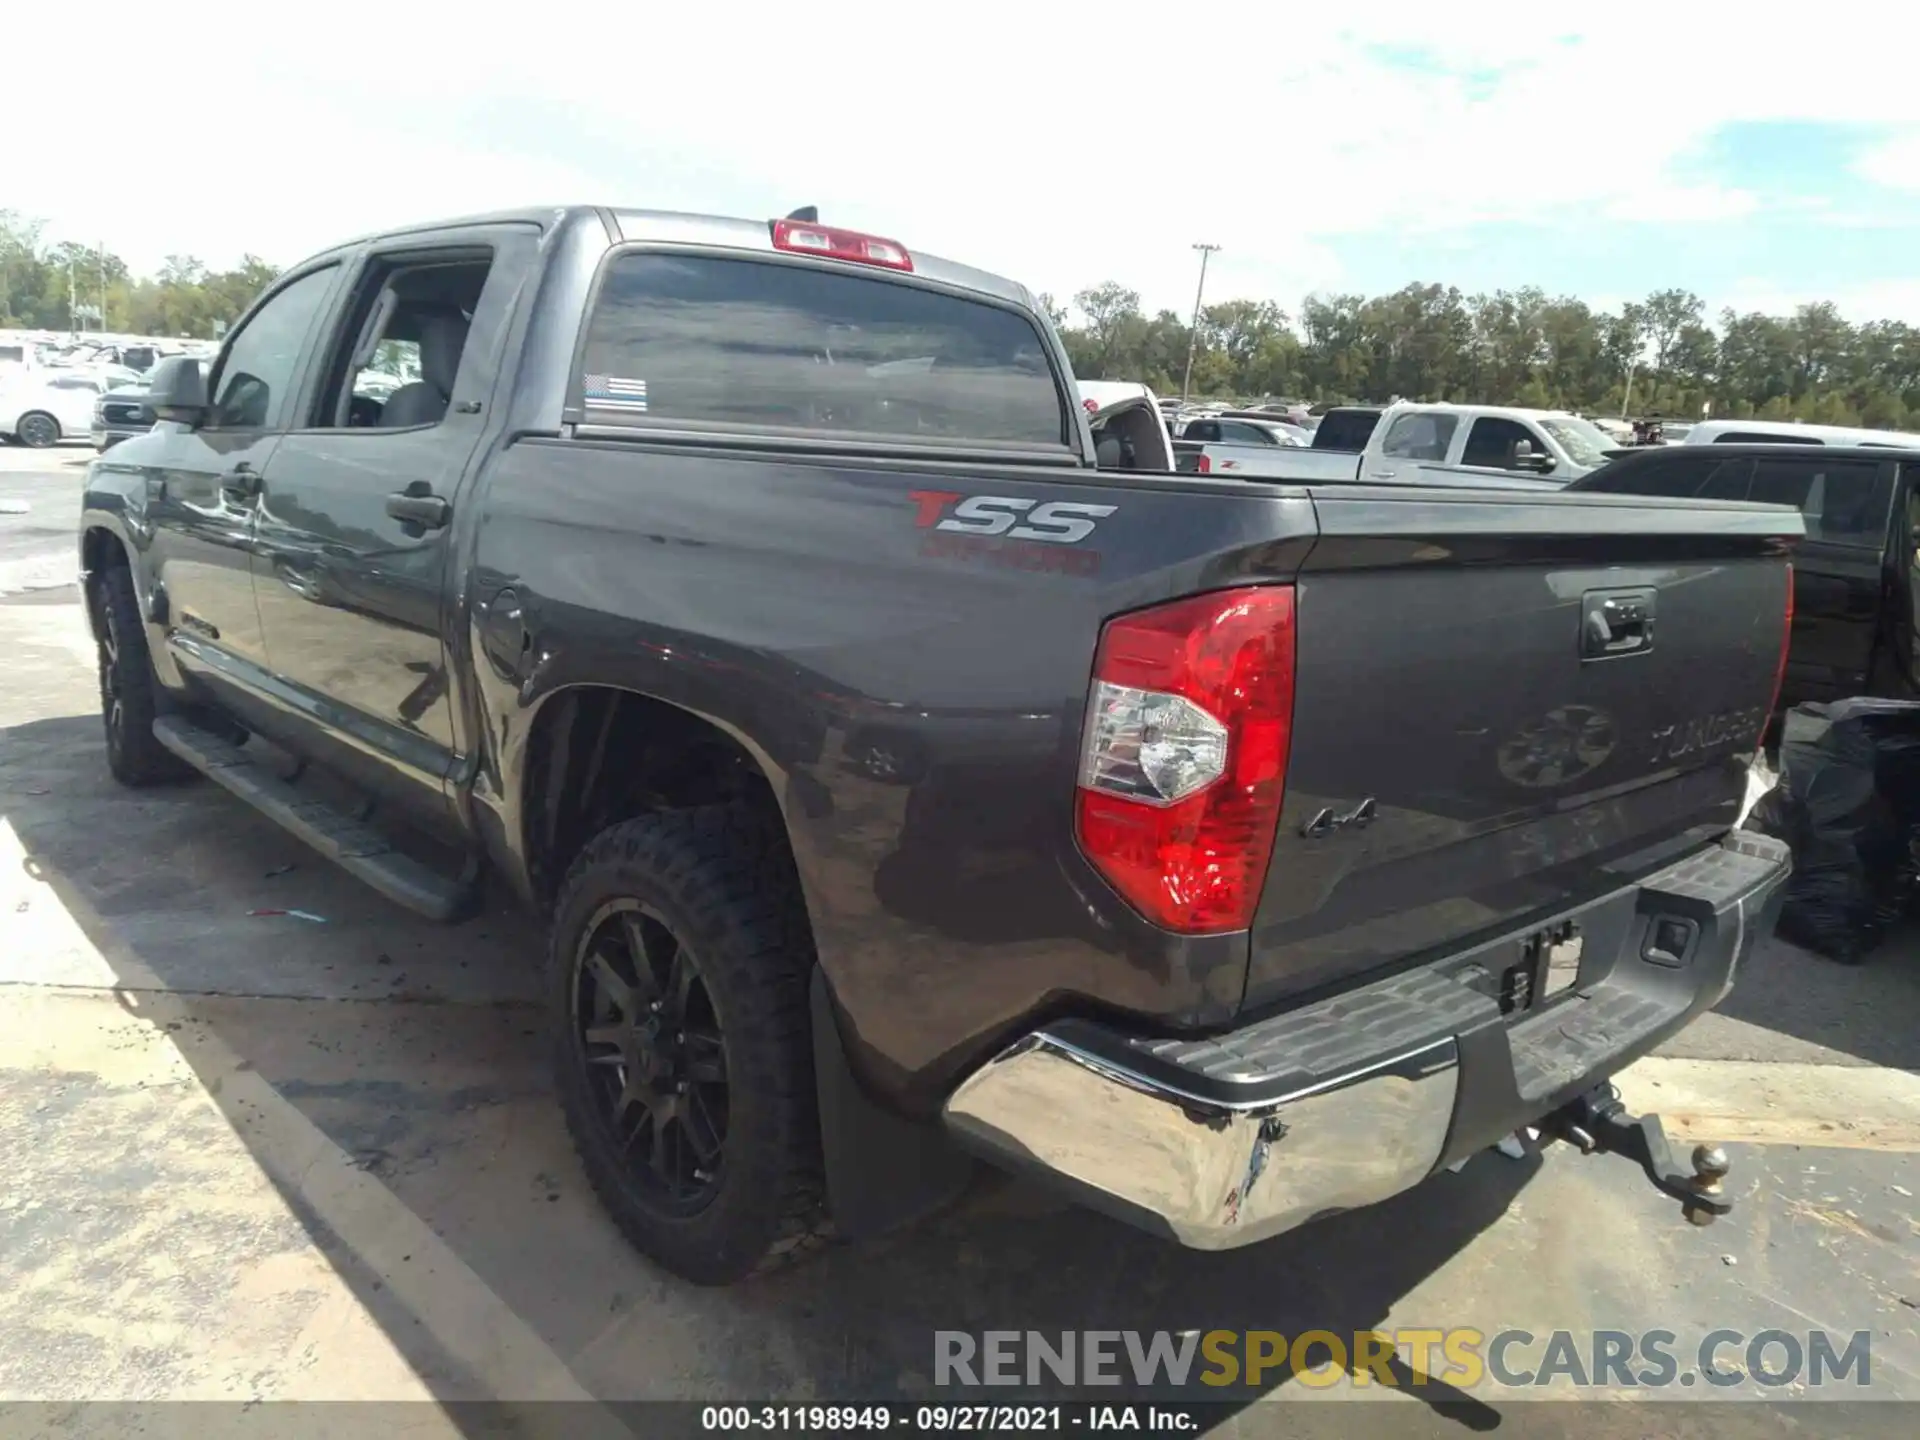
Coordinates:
(53, 390)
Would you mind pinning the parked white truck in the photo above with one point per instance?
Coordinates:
(1457, 445)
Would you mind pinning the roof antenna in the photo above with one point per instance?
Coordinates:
(806, 215)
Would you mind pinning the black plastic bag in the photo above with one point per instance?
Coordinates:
(1848, 805)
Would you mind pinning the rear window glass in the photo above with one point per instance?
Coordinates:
(1697, 476)
(745, 344)
(1756, 437)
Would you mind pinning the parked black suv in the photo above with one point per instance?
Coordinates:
(1856, 624)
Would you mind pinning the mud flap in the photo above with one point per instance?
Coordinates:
(883, 1171)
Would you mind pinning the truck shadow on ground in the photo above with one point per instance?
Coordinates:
(1870, 1011)
(390, 1079)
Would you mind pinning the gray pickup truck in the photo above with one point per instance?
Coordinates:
(900, 789)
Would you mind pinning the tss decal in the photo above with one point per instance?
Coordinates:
(1059, 522)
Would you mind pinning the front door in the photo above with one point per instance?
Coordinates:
(355, 515)
(202, 484)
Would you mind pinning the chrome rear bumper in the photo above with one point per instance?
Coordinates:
(1211, 1175)
(1224, 1141)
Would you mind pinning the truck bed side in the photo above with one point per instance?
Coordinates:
(914, 694)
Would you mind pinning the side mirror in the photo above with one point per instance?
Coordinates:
(178, 390)
(1525, 457)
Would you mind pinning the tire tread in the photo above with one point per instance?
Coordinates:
(727, 867)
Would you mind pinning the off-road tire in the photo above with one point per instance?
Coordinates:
(134, 756)
(721, 881)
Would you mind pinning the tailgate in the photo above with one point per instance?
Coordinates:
(1517, 755)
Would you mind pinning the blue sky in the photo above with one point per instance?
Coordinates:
(1815, 227)
(1486, 144)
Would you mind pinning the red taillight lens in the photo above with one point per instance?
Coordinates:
(1183, 759)
(824, 240)
(1203, 466)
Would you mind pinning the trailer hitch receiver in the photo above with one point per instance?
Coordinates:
(1598, 1123)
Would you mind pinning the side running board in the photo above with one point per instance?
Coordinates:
(354, 845)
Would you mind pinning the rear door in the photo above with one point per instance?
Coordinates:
(1905, 558)
(1506, 705)
(72, 398)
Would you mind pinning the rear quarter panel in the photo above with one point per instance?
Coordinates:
(914, 695)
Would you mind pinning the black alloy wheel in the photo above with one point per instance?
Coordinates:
(656, 1054)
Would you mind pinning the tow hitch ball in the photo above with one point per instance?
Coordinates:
(1598, 1123)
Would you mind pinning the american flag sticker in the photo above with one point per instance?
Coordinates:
(615, 392)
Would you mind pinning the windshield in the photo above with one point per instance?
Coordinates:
(1585, 443)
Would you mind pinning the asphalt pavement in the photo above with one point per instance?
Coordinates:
(39, 516)
(251, 1157)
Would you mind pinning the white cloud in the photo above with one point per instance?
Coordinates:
(1872, 300)
(1669, 204)
(1894, 162)
(1056, 144)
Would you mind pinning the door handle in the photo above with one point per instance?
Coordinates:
(240, 484)
(417, 505)
(1620, 623)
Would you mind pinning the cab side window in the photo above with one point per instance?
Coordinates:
(254, 387)
(1493, 442)
(403, 343)
(1420, 437)
(1845, 502)
(1697, 476)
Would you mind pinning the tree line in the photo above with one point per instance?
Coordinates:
(1422, 342)
(67, 286)
(1513, 347)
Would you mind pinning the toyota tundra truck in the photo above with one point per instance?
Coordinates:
(900, 789)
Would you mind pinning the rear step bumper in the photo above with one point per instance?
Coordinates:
(1224, 1141)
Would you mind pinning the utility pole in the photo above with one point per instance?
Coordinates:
(101, 256)
(1193, 334)
(1626, 400)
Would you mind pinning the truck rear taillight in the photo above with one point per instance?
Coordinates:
(1183, 760)
(824, 240)
(1202, 465)
(1786, 643)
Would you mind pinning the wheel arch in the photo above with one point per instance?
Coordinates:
(596, 754)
